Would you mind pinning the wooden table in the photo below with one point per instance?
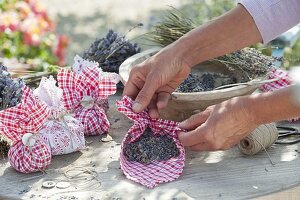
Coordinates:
(207, 175)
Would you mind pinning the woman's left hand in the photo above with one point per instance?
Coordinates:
(219, 127)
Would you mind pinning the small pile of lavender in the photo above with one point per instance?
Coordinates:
(10, 89)
(10, 95)
(150, 147)
(111, 51)
(4, 147)
(205, 82)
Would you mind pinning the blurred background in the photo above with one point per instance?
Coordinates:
(35, 34)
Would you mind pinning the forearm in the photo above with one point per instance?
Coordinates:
(226, 34)
(272, 106)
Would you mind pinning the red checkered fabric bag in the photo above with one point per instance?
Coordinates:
(79, 65)
(156, 172)
(21, 122)
(283, 80)
(84, 93)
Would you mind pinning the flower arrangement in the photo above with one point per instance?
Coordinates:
(28, 34)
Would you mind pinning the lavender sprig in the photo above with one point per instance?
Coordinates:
(10, 89)
(111, 51)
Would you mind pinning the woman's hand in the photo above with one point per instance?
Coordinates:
(152, 82)
(219, 127)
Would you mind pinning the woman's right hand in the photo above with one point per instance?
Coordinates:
(151, 82)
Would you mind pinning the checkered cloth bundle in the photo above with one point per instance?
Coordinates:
(79, 65)
(283, 80)
(63, 133)
(156, 172)
(21, 124)
(84, 93)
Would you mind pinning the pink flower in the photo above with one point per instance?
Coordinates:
(36, 6)
(31, 30)
(9, 20)
(59, 49)
(23, 9)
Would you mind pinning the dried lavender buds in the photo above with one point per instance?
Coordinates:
(205, 82)
(250, 60)
(4, 147)
(10, 90)
(110, 51)
(150, 147)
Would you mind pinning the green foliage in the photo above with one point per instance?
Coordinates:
(292, 55)
(12, 46)
(6, 4)
(202, 11)
(27, 35)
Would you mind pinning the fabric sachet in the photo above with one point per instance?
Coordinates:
(21, 124)
(84, 93)
(63, 132)
(150, 159)
(79, 65)
(283, 80)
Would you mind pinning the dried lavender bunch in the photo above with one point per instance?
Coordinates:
(10, 89)
(150, 147)
(205, 82)
(175, 24)
(111, 51)
(250, 60)
(4, 147)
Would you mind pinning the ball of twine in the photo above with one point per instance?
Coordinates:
(260, 139)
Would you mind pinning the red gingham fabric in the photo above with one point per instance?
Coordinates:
(26, 117)
(90, 82)
(156, 172)
(284, 80)
(30, 159)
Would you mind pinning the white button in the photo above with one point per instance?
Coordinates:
(28, 139)
(48, 184)
(63, 185)
(87, 102)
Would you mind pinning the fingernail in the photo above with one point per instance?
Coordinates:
(181, 124)
(137, 107)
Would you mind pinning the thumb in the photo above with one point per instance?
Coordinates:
(195, 120)
(145, 95)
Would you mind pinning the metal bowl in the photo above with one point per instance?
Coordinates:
(183, 105)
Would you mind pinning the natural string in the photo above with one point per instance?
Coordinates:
(82, 174)
(260, 139)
